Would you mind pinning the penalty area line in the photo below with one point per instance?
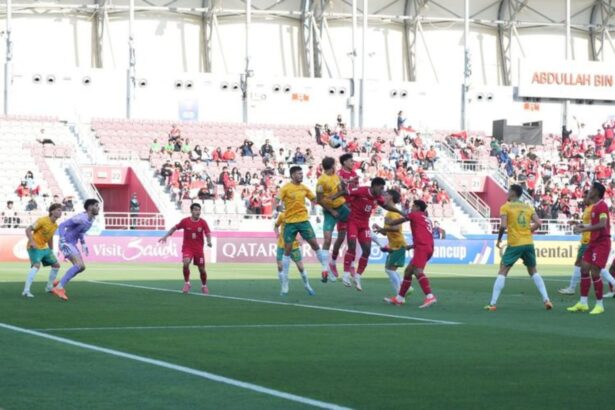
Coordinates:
(272, 302)
(178, 368)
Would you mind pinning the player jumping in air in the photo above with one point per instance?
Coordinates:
(423, 245)
(362, 201)
(597, 253)
(295, 255)
(40, 248)
(195, 228)
(396, 247)
(335, 212)
(293, 196)
(521, 221)
(350, 180)
(72, 231)
(576, 275)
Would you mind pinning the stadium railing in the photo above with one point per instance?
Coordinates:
(143, 221)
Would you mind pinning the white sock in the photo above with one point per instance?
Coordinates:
(394, 278)
(323, 257)
(280, 277)
(599, 303)
(304, 278)
(285, 265)
(540, 284)
(575, 278)
(498, 286)
(30, 279)
(606, 275)
(52, 276)
(583, 300)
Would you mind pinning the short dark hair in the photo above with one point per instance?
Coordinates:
(395, 196)
(378, 182)
(195, 205)
(9, 203)
(600, 188)
(345, 157)
(517, 189)
(295, 168)
(328, 163)
(421, 205)
(89, 202)
(53, 207)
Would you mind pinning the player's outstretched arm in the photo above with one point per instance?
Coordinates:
(391, 208)
(398, 221)
(171, 231)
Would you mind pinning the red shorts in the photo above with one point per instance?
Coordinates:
(196, 255)
(597, 254)
(342, 226)
(421, 256)
(357, 232)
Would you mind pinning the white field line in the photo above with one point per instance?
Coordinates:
(272, 302)
(222, 327)
(181, 369)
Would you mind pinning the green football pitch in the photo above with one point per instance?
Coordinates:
(128, 338)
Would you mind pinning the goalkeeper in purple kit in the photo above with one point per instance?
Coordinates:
(72, 231)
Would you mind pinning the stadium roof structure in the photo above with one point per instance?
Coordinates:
(594, 18)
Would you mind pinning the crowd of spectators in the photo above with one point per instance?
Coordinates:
(403, 160)
(557, 176)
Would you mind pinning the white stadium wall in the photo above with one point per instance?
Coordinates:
(169, 63)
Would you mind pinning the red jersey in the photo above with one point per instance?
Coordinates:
(604, 234)
(347, 176)
(362, 203)
(194, 231)
(422, 231)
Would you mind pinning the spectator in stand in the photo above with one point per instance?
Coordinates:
(169, 147)
(175, 134)
(56, 199)
(266, 204)
(353, 146)
(340, 122)
(495, 148)
(166, 170)
(31, 205)
(228, 155)
(196, 153)
(217, 155)
(442, 197)
(266, 151)
(186, 147)
(298, 158)
(224, 176)
(206, 156)
(9, 216)
(246, 179)
(43, 139)
(155, 147)
(245, 149)
(235, 174)
(438, 233)
(177, 145)
(565, 135)
(309, 157)
(318, 131)
(23, 190)
(418, 141)
(401, 121)
(32, 184)
(431, 157)
(255, 203)
(135, 208)
(367, 145)
(602, 172)
(281, 169)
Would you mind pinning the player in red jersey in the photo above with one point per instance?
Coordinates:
(423, 244)
(350, 180)
(597, 253)
(362, 201)
(193, 244)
